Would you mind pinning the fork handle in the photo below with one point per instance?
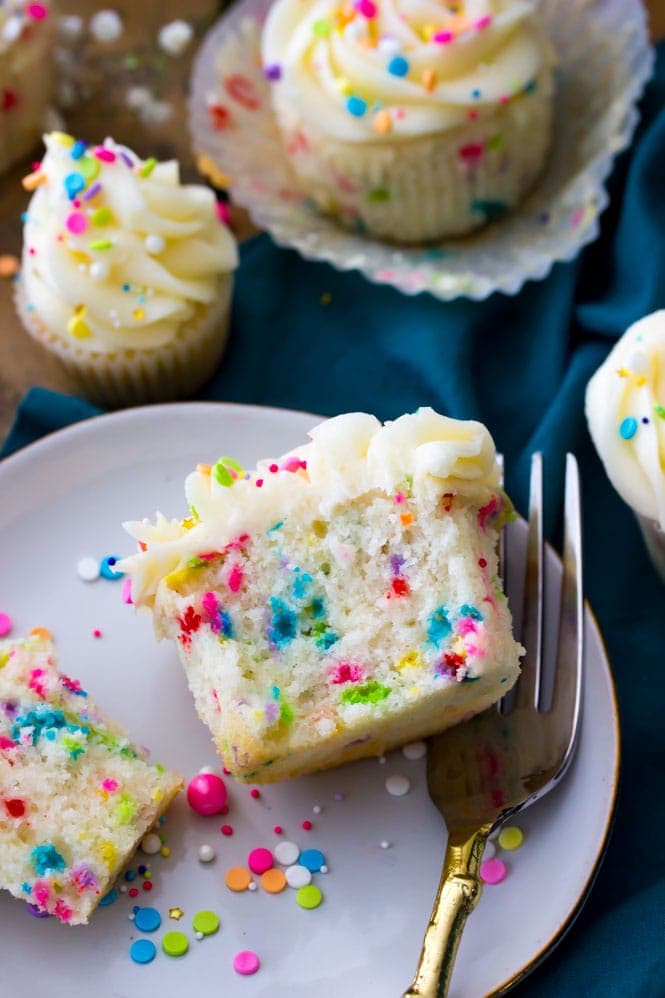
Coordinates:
(459, 890)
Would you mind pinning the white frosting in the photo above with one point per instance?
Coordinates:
(164, 252)
(347, 456)
(496, 50)
(630, 386)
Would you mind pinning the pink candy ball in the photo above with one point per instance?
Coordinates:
(206, 794)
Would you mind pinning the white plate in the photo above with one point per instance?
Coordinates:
(603, 62)
(65, 497)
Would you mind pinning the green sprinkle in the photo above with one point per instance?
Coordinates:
(206, 922)
(495, 141)
(196, 563)
(175, 944)
(101, 244)
(379, 195)
(222, 475)
(102, 216)
(322, 28)
(148, 167)
(286, 715)
(125, 809)
(659, 410)
(371, 692)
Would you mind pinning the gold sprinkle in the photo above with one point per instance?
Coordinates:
(176, 913)
(139, 314)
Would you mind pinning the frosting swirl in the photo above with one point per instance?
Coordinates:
(118, 254)
(347, 456)
(625, 407)
(403, 68)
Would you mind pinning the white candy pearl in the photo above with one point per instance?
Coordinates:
(155, 244)
(99, 270)
(398, 785)
(106, 26)
(206, 854)
(151, 844)
(174, 38)
(88, 569)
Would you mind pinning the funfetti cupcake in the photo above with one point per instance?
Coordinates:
(127, 274)
(625, 407)
(411, 119)
(26, 35)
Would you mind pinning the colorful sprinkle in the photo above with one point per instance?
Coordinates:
(307, 825)
(260, 860)
(246, 962)
(206, 794)
(398, 66)
(6, 624)
(309, 897)
(297, 876)
(175, 944)
(147, 919)
(356, 106)
(107, 569)
(237, 878)
(628, 428)
(176, 913)
(286, 853)
(9, 265)
(273, 881)
(143, 951)
(312, 859)
(206, 922)
(87, 569)
(511, 838)
(493, 871)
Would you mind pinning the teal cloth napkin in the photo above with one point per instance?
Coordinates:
(521, 365)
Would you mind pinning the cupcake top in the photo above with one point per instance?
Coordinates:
(625, 407)
(19, 20)
(368, 69)
(346, 457)
(118, 254)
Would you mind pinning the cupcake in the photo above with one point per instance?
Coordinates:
(26, 33)
(411, 121)
(126, 274)
(625, 407)
(339, 600)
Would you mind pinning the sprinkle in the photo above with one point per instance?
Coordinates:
(37, 11)
(252, 886)
(92, 192)
(385, 844)
(483, 22)
(366, 8)
(260, 860)
(106, 569)
(148, 167)
(356, 106)
(105, 26)
(297, 876)
(309, 897)
(255, 793)
(443, 37)
(338, 796)
(206, 922)
(33, 180)
(78, 149)
(165, 852)
(246, 962)
(88, 569)
(154, 244)
(77, 326)
(89, 167)
(133, 892)
(143, 951)
(397, 785)
(174, 38)
(226, 830)
(273, 881)
(273, 72)
(101, 244)
(237, 878)
(493, 871)
(151, 844)
(147, 919)
(130, 875)
(511, 838)
(428, 79)
(286, 853)
(127, 590)
(312, 859)
(176, 913)
(628, 428)
(317, 809)
(206, 854)
(147, 885)
(206, 794)
(322, 28)
(659, 410)
(175, 944)
(398, 66)
(278, 830)
(6, 624)
(9, 265)
(307, 825)
(102, 216)
(414, 750)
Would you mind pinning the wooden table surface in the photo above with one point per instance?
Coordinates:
(23, 362)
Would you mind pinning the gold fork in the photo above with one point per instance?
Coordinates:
(485, 771)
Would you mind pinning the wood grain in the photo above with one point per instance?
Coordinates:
(23, 362)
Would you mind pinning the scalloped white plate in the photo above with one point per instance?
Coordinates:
(65, 497)
(604, 62)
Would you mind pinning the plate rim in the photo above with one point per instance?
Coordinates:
(86, 425)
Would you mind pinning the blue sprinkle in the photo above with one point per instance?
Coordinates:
(78, 149)
(275, 526)
(130, 875)
(356, 106)
(475, 93)
(438, 627)
(301, 585)
(142, 869)
(312, 860)
(327, 640)
(283, 622)
(275, 692)
(225, 623)
(109, 898)
(126, 287)
(74, 184)
(143, 951)
(106, 569)
(628, 428)
(317, 608)
(470, 611)
(398, 66)
(24, 216)
(46, 859)
(147, 919)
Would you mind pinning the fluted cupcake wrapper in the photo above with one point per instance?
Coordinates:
(654, 538)
(132, 377)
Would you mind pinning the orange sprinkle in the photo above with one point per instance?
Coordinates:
(42, 633)
(33, 180)
(457, 24)
(406, 519)
(382, 122)
(203, 469)
(238, 878)
(428, 79)
(9, 265)
(273, 881)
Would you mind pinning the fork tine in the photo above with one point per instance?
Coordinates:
(528, 686)
(566, 699)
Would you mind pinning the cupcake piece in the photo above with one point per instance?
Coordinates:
(76, 796)
(26, 36)
(339, 600)
(127, 274)
(625, 408)
(411, 120)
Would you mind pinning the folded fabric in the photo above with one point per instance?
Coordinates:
(308, 337)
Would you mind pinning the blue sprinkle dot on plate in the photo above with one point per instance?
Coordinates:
(312, 859)
(147, 919)
(106, 569)
(142, 951)
(109, 898)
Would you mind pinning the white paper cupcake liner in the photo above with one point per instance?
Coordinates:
(654, 538)
(134, 377)
(604, 62)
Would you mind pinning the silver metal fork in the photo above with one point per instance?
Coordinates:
(483, 772)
